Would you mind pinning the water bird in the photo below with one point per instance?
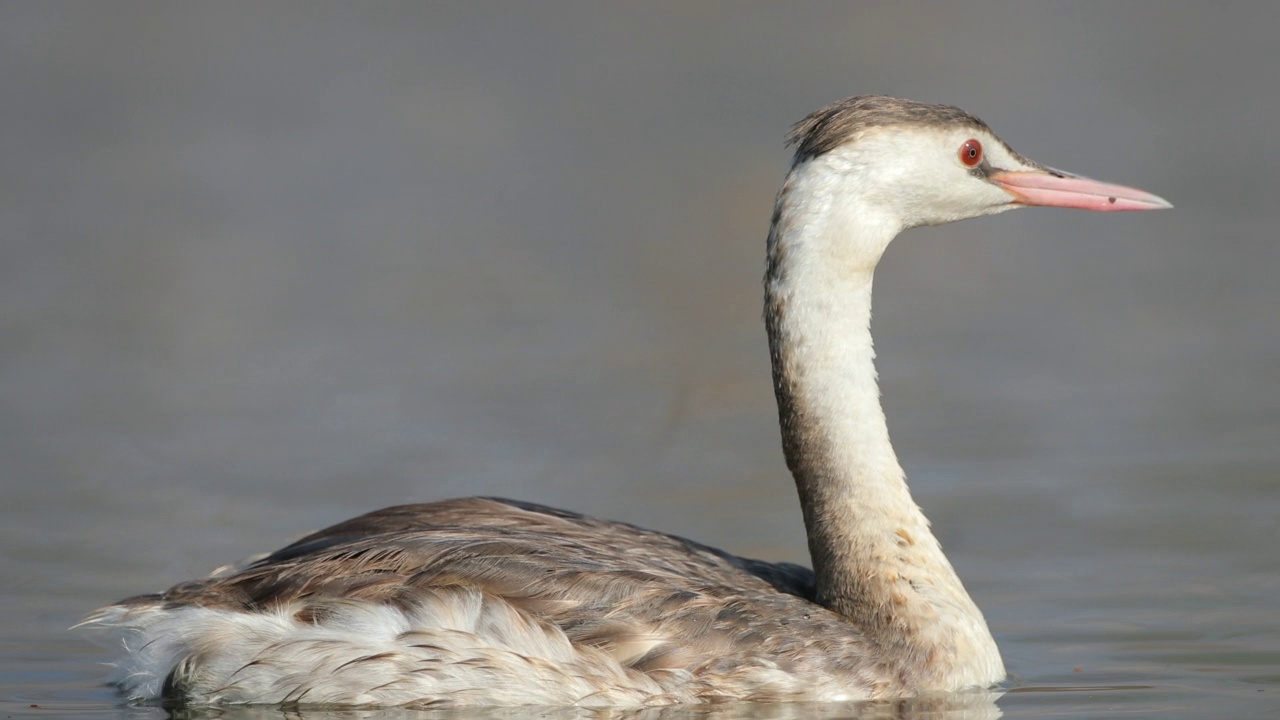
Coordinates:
(485, 601)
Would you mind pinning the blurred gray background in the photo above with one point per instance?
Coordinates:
(267, 266)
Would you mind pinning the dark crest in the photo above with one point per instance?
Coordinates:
(825, 129)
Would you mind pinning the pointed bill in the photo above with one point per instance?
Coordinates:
(1054, 189)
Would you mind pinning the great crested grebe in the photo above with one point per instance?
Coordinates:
(484, 601)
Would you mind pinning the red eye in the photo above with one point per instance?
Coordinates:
(971, 153)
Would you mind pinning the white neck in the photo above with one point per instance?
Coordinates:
(875, 559)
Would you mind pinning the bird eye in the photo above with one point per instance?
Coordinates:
(971, 153)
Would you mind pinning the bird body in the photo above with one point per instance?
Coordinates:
(487, 601)
(495, 602)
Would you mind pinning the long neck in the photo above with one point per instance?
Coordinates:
(876, 561)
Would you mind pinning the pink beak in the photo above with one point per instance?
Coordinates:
(1055, 189)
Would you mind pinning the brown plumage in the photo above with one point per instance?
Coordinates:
(503, 547)
(656, 604)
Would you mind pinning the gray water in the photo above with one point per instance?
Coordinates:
(265, 267)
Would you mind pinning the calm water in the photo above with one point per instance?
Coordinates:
(267, 268)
